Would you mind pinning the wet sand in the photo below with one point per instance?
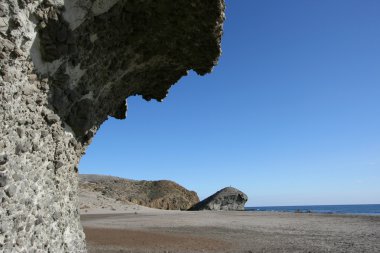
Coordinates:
(176, 231)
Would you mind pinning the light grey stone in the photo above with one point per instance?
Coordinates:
(38, 221)
(17, 177)
(8, 45)
(11, 191)
(3, 25)
(52, 118)
(20, 132)
(50, 166)
(21, 147)
(3, 180)
(44, 133)
(58, 164)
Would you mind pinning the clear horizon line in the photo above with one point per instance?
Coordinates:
(315, 205)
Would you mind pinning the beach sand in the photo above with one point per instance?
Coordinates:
(149, 230)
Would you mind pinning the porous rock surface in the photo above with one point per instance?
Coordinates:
(65, 67)
(227, 199)
(161, 194)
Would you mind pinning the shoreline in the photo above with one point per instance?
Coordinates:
(313, 212)
(223, 231)
(344, 209)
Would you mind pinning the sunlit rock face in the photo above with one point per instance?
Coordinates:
(227, 199)
(65, 66)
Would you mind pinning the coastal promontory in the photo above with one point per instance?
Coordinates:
(161, 194)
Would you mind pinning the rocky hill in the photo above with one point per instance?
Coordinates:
(227, 199)
(162, 194)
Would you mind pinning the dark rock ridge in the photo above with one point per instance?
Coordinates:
(65, 67)
(162, 194)
(227, 199)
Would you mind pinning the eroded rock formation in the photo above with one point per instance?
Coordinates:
(162, 194)
(227, 199)
(65, 67)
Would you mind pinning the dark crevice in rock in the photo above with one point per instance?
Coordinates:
(56, 39)
(3, 159)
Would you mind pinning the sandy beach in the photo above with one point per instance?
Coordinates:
(151, 230)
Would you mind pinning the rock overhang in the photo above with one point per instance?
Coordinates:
(64, 68)
(124, 48)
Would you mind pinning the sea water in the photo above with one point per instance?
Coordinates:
(373, 209)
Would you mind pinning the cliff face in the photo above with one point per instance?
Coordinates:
(65, 67)
(161, 194)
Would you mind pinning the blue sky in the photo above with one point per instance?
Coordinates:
(291, 115)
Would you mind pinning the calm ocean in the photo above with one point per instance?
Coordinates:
(334, 209)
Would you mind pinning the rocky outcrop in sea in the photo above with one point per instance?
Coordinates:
(227, 199)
